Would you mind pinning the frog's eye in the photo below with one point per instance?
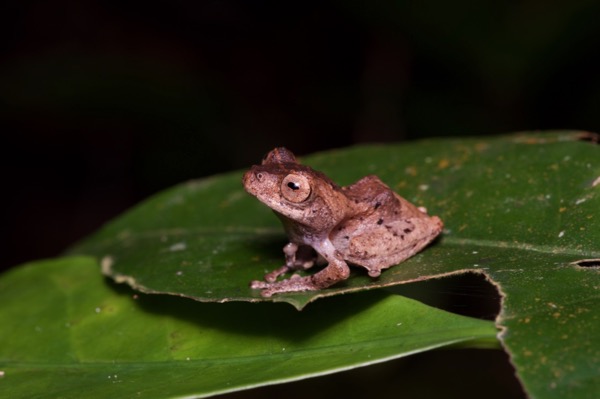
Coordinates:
(295, 188)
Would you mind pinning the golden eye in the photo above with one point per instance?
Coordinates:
(295, 188)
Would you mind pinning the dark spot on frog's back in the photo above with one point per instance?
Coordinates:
(407, 230)
(380, 221)
(377, 204)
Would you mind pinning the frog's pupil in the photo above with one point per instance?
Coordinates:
(293, 186)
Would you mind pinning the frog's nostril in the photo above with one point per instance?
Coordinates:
(259, 176)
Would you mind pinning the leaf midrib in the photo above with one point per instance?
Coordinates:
(244, 359)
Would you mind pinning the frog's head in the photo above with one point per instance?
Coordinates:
(292, 190)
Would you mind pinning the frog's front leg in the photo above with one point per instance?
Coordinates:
(336, 270)
(293, 261)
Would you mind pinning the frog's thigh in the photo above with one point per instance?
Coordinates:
(387, 245)
(372, 249)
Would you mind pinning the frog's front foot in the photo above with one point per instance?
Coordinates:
(295, 283)
(272, 276)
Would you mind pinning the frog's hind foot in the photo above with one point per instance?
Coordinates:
(295, 283)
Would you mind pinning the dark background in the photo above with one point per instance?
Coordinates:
(103, 103)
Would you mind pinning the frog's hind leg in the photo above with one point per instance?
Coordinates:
(389, 244)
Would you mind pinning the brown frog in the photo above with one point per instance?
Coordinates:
(364, 224)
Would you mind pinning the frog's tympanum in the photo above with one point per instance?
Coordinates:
(364, 224)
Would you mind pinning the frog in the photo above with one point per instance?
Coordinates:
(364, 224)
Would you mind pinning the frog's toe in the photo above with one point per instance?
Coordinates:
(271, 277)
(259, 285)
(374, 273)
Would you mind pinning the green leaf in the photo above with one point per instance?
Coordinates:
(66, 331)
(521, 209)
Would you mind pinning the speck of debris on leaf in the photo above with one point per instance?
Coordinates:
(180, 246)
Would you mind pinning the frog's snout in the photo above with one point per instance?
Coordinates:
(253, 180)
(247, 180)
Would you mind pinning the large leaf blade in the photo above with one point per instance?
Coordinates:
(208, 239)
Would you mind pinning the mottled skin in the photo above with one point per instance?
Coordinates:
(365, 224)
